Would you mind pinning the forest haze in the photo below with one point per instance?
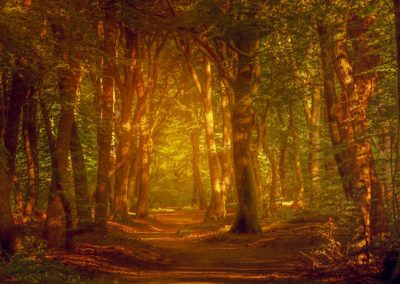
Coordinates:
(199, 141)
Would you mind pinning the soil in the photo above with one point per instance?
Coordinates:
(177, 247)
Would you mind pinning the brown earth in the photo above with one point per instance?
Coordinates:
(171, 247)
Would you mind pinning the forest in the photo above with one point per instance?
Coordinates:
(209, 141)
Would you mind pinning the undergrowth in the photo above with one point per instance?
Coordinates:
(30, 265)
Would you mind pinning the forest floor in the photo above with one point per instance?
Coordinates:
(176, 246)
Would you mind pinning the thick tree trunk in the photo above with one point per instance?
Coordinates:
(56, 203)
(30, 135)
(254, 146)
(245, 86)
(274, 168)
(68, 84)
(313, 123)
(331, 102)
(358, 84)
(105, 127)
(121, 208)
(133, 170)
(215, 210)
(19, 91)
(282, 169)
(299, 195)
(386, 144)
(199, 195)
(9, 238)
(226, 155)
(144, 173)
(123, 165)
(396, 273)
(111, 182)
(80, 180)
(3, 103)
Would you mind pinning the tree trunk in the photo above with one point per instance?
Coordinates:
(358, 84)
(226, 155)
(386, 145)
(122, 170)
(9, 238)
(282, 169)
(125, 130)
(56, 204)
(396, 273)
(216, 207)
(68, 84)
(254, 146)
(199, 195)
(299, 197)
(105, 127)
(313, 123)
(30, 135)
(3, 103)
(19, 91)
(245, 86)
(274, 167)
(331, 102)
(215, 210)
(133, 170)
(144, 173)
(80, 180)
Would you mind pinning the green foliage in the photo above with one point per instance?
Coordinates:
(31, 265)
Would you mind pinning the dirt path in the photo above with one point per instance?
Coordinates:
(172, 247)
(203, 253)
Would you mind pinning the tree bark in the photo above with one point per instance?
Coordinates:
(396, 3)
(226, 155)
(133, 170)
(199, 195)
(68, 84)
(245, 86)
(80, 180)
(30, 135)
(313, 123)
(56, 208)
(9, 237)
(386, 146)
(125, 129)
(3, 103)
(105, 127)
(299, 197)
(274, 165)
(331, 102)
(216, 209)
(19, 91)
(282, 159)
(144, 173)
(358, 84)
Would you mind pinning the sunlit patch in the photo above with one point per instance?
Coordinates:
(287, 203)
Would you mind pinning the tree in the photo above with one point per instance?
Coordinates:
(30, 135)
(199, 197)
(80, 179)
(245, 86)
(9, 239)
(126, 91)
(358, 84)
(106, 115)
(216, 208)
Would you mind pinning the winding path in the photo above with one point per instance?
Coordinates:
(177, 247)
